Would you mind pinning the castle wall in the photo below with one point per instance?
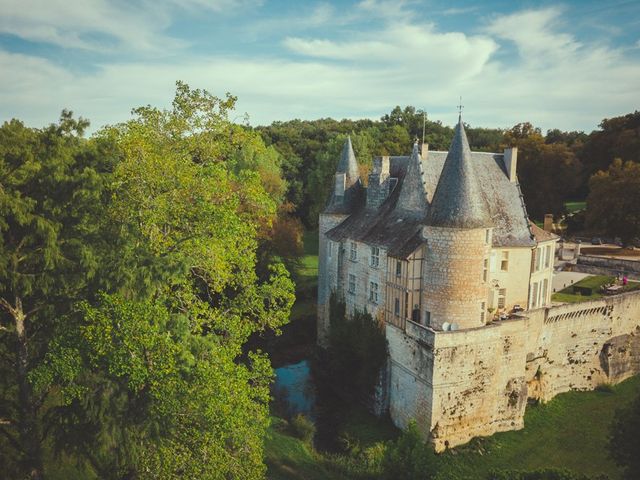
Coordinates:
(364, 274)
(582, 345)
(327, 272)
(475, 382)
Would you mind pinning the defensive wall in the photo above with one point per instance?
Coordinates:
(607, 266)
(460, 384)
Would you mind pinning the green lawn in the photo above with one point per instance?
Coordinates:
(575, 206)
(595, 282)
(568, 432)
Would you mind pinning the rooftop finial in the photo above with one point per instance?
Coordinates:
(460, 107)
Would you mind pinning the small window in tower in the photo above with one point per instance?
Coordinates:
(375, 256)
(504, 263)
(353, 254)
(396, 307)
(398, 268)
(427, 317)
(373, 292)
(352, 283)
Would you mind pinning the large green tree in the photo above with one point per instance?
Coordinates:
(148, 379)
(549, 173)
(52, 190)
(613, 204)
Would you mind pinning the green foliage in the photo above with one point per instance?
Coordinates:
(357, 350)
(623, 439)
(130, 279)
(549, 173)
(613, 205)
(407, 457)
(302, 428)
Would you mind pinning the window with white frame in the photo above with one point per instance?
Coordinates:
(504, 262)
(352, 283)
(487, 236)
(329, 248)
(375, 256)
(534, 295)
(545, 287)
(353, 253)
(502, 297)
(373, 292)
(547, 256)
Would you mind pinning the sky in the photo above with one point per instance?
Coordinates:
(561, 65)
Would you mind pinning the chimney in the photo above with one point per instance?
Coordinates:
(510, 162)
(548, 222)
(424, 150)
(378, 187)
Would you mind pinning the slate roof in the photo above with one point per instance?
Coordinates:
(400, 232)
(458, 201)
(354, 191)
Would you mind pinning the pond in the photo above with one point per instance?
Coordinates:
(294, 390)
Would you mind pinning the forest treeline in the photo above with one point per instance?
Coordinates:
(553, 168)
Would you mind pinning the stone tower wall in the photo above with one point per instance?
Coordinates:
(455, 288)
(327, 272)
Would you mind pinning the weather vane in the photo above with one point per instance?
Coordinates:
(460, 107)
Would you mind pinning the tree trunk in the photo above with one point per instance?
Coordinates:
(28, 425)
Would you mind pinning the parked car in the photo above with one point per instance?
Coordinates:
(596, 241)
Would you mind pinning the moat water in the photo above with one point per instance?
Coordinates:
(297, 390)
(294, 389)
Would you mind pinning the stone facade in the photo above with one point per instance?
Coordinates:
(441, 251)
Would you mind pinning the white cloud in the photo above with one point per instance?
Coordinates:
(554, 81)
(84, 24)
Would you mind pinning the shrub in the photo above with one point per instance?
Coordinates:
(302, 428)
(544, 474)
(407, 457)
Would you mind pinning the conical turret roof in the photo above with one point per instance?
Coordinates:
(348, 164)
(349, 198)
(413, 196)
(458, 201)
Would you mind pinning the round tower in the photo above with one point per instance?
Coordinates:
(458, 235)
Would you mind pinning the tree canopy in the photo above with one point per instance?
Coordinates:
(131, 284)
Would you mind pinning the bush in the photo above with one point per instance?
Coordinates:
(302, 428)
(357, 351)
(407, 457)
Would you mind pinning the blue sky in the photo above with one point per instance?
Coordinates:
(558, 65)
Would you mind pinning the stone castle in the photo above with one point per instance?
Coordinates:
(439, 248)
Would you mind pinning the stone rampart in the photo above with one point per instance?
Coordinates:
(475, 382)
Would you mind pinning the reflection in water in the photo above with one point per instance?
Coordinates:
(301, 388)
(294, 391)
